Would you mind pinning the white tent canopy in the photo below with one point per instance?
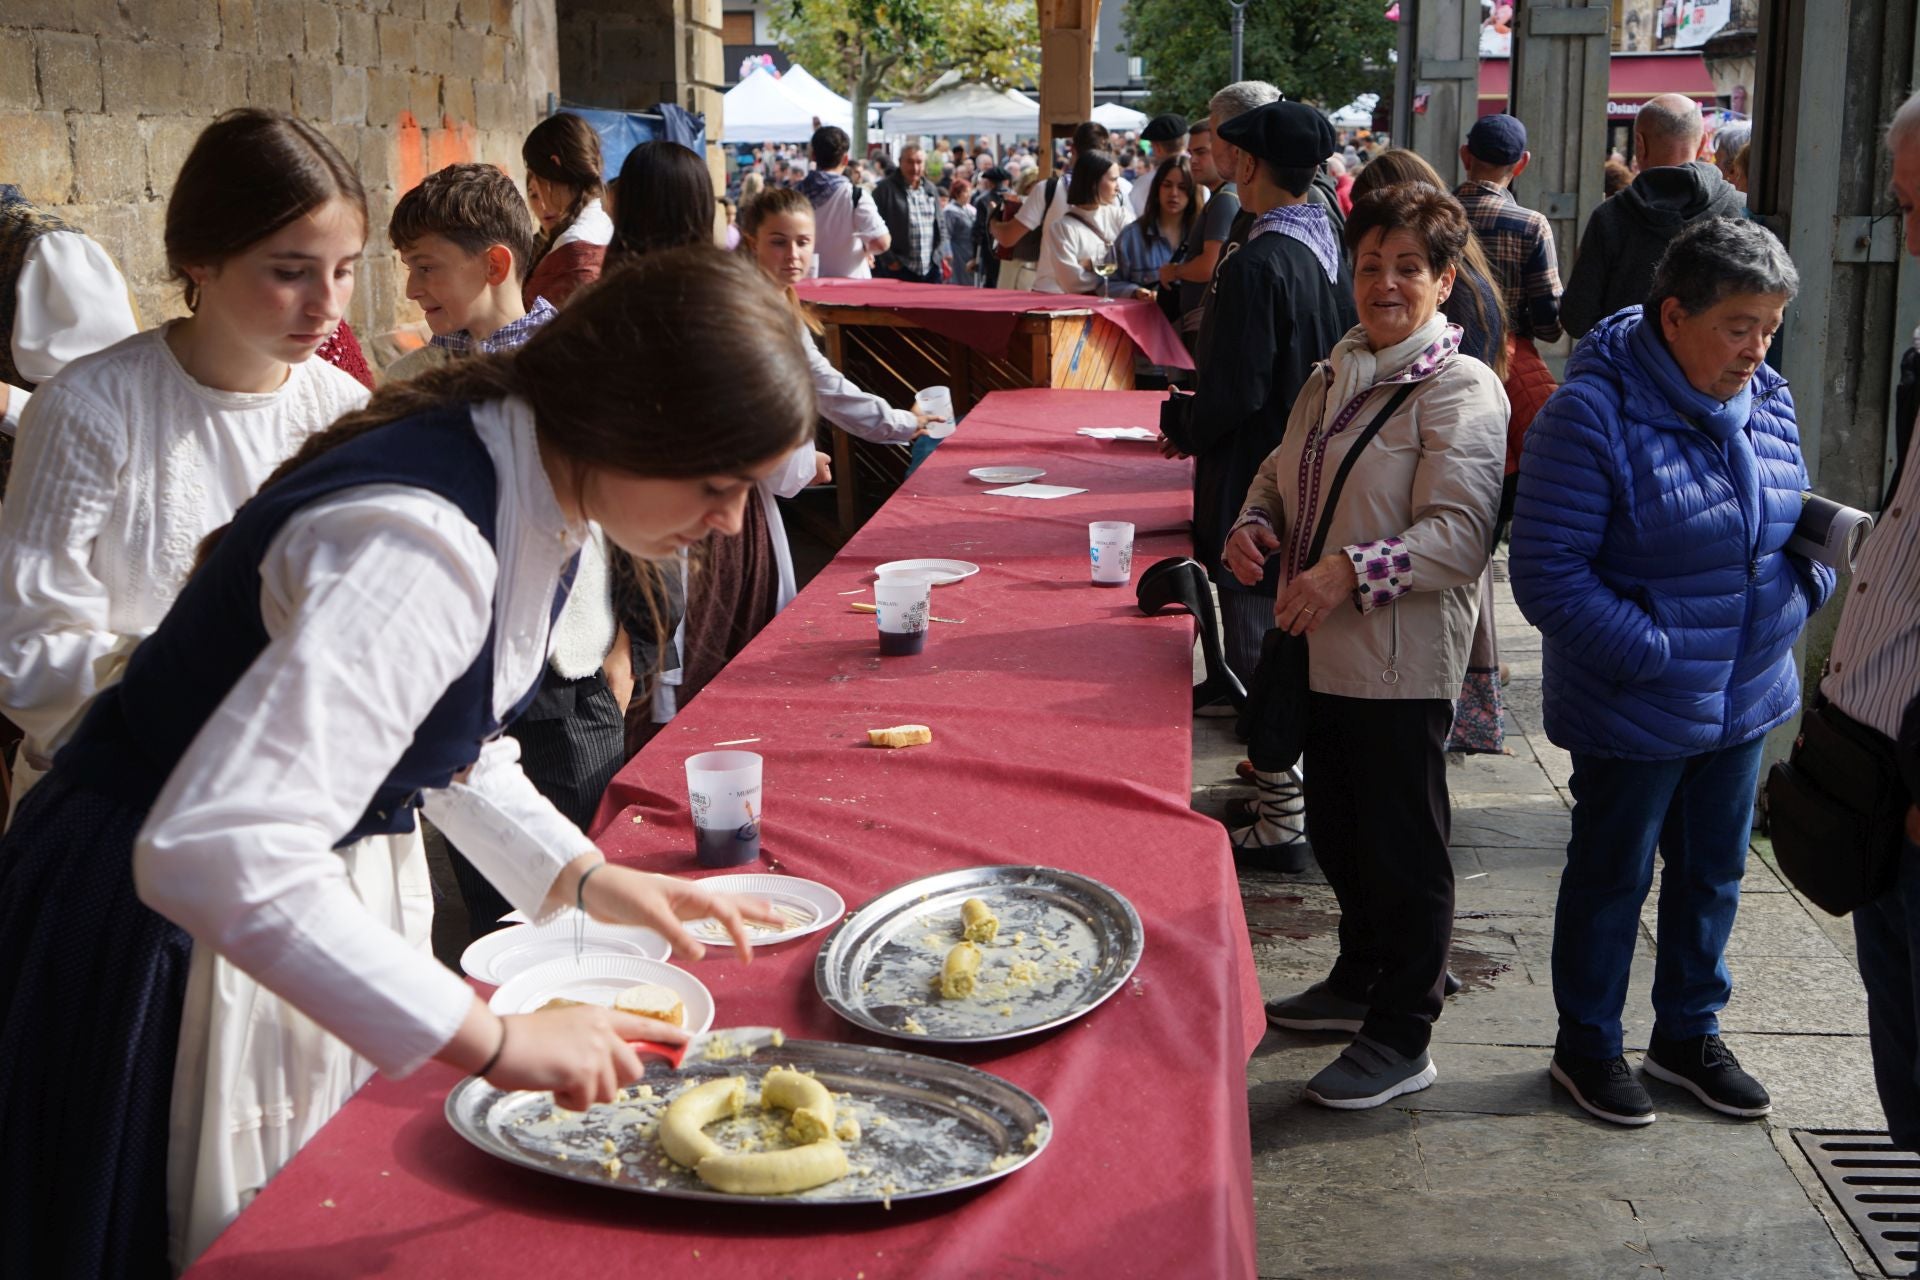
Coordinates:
(971, 109)
(801, 86)
(1357, 114)
(759, 109)
(1119, 118)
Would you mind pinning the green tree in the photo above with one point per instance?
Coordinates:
(1327, 52)
(868, 49)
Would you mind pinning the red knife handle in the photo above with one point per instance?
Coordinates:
(673, 1053)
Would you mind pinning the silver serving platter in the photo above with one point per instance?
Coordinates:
(880, 967)
(927, 1126)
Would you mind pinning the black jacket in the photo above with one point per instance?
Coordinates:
(1275, 315)
(1627, 234)
(890, 198)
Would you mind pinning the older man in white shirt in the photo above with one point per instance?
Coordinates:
(1874, 678)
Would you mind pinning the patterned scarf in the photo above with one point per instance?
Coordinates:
(1308, 223)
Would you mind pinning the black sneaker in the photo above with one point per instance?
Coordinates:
(1706, 1068)
(1604, 1087)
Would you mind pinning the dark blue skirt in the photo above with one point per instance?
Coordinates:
(91, 987)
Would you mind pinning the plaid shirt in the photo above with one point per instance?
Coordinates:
(1519, 244)
(508, 336)
(922, 209)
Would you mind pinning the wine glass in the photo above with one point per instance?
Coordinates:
(1106, 268)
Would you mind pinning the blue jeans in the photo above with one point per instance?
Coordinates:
(1698, 812)
(1890, 967)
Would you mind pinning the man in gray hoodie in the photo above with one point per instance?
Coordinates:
(1626, 235)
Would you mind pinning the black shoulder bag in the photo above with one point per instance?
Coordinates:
(1836, 809)
(1276, 716)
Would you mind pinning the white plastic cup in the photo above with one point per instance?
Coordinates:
(723, 790)
(901, 602)
(1111, 543)
(936, 402)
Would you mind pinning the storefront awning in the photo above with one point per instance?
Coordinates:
(1632, 78)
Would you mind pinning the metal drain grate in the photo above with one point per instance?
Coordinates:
(1877, 1185)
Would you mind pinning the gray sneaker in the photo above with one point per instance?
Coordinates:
(1317, 1009)
(1368, 1073)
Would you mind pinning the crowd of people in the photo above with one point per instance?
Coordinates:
(260, 610)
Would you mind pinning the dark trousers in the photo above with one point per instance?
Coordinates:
(1379, 819)
(1698, 812)
(572, 741)
(900, 271)
(1890, 968)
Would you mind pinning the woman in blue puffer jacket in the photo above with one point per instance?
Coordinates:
(1657, 491)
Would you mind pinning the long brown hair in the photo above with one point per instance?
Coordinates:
(1399, 167)
(771, 203)
(563, 148)
(669, 200)
(250, 173)
(1181, 165)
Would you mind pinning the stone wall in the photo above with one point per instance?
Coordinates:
(628, 55)
(101, 99)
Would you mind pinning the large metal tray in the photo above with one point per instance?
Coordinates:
(927, 1126)
(879, 967)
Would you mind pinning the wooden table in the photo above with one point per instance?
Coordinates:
(892, 338)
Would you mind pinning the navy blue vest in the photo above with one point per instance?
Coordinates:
(137, 731)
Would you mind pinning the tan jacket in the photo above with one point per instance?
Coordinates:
(1431, 478)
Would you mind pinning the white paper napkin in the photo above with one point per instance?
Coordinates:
(1120, 433)
(1032, 490)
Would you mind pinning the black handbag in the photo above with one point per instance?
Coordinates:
(1276, 715)
(1836, 809)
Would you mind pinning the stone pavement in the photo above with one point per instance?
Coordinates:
(1493, 1172)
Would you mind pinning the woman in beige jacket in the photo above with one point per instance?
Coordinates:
(1390, 606)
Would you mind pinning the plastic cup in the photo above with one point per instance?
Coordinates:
(900, 603)
(936, 402)
(723, 790)
(1112, 549)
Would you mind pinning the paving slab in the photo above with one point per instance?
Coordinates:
(1493, 1172)
(1437, 1235)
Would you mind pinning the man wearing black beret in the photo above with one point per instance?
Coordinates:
(1166, 136)
(1281, 304)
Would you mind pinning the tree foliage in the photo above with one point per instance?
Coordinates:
(1327, 52)
(868, 49)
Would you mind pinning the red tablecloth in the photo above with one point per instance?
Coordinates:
(984, 318)
(1061, 736)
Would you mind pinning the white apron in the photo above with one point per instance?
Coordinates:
(255, 1078)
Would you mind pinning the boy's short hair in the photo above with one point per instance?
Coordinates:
(475, 206)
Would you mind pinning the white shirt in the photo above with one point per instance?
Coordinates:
(590, 226)
(1137, 197)
(841, 231)
(1073, 240)
(70, 301)
(1873, 671)
(123, 465)
(375, 600)
(1033, 211)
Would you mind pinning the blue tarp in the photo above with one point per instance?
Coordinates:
(622, 131)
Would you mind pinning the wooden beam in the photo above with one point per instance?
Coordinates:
(1066, 70)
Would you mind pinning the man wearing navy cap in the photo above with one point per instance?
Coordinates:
(1282, 302)
(1167, 137)
(1519, 245)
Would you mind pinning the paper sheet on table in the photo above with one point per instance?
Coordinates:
(1120, 433)
(1032, 490)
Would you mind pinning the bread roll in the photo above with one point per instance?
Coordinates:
(961, 971)
(651, 1000)
(977, 921)
(901, 735)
